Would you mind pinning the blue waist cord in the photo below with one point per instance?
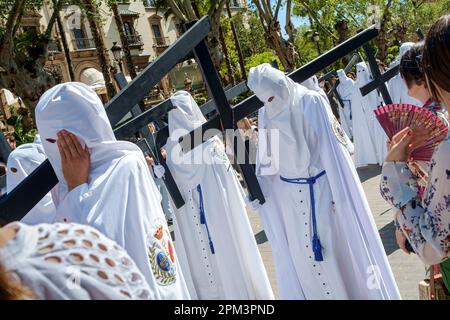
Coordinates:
(316, 245)
(203, 217)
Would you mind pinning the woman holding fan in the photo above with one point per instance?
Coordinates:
(425, 219)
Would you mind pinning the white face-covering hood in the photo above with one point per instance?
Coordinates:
(312, 83)
(363, 76)
(76, 108)
(21, 162)
(266, 82)
(345, 86)
(185, 116)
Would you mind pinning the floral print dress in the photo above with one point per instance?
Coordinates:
(425, 222)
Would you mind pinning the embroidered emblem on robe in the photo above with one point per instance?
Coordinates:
(338, 132)
(161, 255)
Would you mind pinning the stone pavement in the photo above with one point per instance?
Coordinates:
(408, 269)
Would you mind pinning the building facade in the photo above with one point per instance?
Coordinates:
(148, 33)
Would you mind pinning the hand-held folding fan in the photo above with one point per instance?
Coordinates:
(395, 117)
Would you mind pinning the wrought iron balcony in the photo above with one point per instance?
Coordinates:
(161, 42)
(134, 40)
(83, 43)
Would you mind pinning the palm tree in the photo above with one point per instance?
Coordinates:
(186, 10)
(123, 38)
(93, 17)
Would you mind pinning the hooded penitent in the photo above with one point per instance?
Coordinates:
(316, 217)
(120, 198)
(397, 87)
(21, 162)
(215, 242)
(345, 90)
(364, 121)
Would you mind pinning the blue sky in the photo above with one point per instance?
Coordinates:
(295, 20)
(282, 17)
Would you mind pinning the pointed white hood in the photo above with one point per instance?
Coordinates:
(266, 82)
(22, 162)
(345, 87)
(76, 108)
(363, 75)
(186, 115)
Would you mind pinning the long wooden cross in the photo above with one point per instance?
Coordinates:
(16, 204)
(252, 104)
(379, 80)
(148, 145)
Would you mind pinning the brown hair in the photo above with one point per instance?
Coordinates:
(11, 289)
(410, 69)
(436, 56)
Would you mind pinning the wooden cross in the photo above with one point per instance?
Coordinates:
(252, 104)
(379, 80)
(16, 204)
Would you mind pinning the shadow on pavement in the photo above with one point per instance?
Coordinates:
(387, 234)
(368, 172)
(261, 237)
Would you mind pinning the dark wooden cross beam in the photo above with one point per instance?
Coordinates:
(15, 205)
(153, 114)
(419, 34)
(252, 104)
(346, 69)
(227, 121)
(327, 76)
(148, 146)
(379, 80)
(385, 77)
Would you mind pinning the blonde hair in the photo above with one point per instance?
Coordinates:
(11, 289)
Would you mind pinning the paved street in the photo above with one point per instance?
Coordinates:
(408, 270)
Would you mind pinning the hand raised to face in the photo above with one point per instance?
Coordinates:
(75, 161)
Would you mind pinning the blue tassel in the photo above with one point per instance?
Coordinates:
(202, 218)
(317, 249)
(211, 246)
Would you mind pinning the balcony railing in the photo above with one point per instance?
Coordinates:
(161, 42)
(54, 46)
(83, 43)
(134, 40)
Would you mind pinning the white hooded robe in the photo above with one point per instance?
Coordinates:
(213, 235)
(369, 140)
(396, 86)
(120, 198)
(345, 90)
(21, 162)
(310, 143)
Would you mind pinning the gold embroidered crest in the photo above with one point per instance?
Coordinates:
(338, 132)
(161, 254)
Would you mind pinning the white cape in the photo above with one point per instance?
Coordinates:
(220, 253)
(311, 141)
(345, 89)
(120, 199)
(396, 86)
(21, 162)
(368, 136)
